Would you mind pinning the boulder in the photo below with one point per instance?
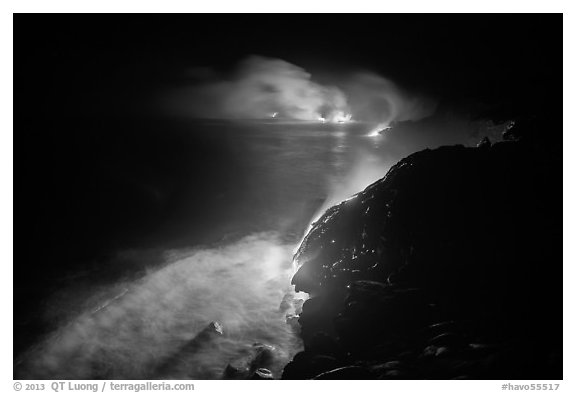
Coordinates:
(262, 373)
(350, 372)
(178, 362)
(441, 264)
(306, 365)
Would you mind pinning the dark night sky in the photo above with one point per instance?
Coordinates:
(97, 64)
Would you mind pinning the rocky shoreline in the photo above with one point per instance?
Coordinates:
(449, 267)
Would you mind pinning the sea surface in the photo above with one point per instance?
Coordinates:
(168, 227)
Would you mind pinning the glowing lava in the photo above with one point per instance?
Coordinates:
(337, 117)
(379, 130)
(341, 117)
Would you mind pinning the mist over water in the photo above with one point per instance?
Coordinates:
(143, 324)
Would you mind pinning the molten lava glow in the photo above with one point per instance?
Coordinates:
(337, 117)
(379, 130)
(341, 117)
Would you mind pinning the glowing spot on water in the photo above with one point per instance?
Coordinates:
(341, 117)
(336, 117)
(379, 130)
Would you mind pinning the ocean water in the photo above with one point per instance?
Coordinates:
(224, 254)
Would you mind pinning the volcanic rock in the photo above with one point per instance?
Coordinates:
(307, 365)
(262, 373)
(177, 363)
(450, 263)
(351, 372)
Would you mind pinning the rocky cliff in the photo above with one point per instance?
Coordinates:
(448, 267)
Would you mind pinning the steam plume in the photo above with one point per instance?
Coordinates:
(148, 320)
(264, 88)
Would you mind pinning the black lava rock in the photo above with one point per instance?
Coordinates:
(262, 373)
(451, 264)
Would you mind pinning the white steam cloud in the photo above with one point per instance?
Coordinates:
(149, 328)
(264, 88)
